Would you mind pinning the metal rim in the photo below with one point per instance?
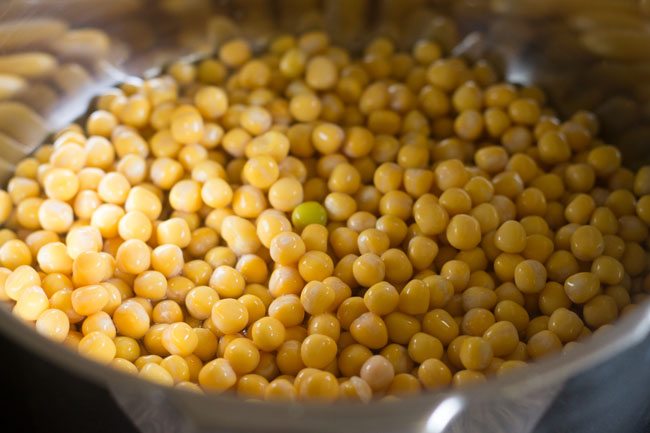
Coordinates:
(630, 330)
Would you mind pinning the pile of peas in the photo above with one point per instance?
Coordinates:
(308, 225)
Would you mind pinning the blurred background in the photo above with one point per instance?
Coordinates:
(587, 54)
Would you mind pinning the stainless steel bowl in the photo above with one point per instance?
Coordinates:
(592, 54)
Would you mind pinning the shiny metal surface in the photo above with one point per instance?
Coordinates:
(592, 54)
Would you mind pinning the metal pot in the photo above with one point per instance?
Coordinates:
(588, 54)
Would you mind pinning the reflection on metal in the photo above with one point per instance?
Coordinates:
(444, 414)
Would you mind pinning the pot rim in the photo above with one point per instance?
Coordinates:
(554, 370)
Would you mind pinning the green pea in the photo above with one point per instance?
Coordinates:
(309, 212)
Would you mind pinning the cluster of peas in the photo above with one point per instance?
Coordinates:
(306, 225)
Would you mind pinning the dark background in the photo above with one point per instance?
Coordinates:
(39, 398)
